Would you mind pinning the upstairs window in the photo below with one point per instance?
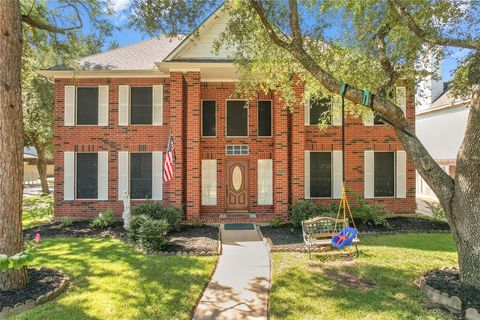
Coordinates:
(87, 105)
(209, 118)
(237, 118)
(384, 174)
(141, 176)
(320, 174)
(265, 118)
(317, 109)
(377, 120)
(141, 110)
(87, 176)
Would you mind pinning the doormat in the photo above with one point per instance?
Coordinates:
(239, 226)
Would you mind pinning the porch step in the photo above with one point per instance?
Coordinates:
(238, 217)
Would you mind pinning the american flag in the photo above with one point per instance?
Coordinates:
(168, 169)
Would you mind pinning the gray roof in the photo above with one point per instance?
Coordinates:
(138, 56)
(446, 99)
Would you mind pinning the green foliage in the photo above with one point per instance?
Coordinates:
(136, 221)
(438, 214)
(103, 219)
(371, 214)
(173, 215)
(37, 210)
(275, 222)
(21, 259)
(152, 234)
(66, 221)
(304, 210)
(198, 224)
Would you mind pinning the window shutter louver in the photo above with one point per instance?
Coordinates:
(209, 182)
(157, 105)
(401, 98)
(103, 175)
(337, 174)
(123, 175)
(69, 175)
(69, 106)
(369, 169)
(306, 110)
(157, 175)
(264, 180)
(401, 174)
(103, 105)
(337, 111)
(307, 175)
(123, 104)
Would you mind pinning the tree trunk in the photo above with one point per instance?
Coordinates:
(42, 168)
(11, 141)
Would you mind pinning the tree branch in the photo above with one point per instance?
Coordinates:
(257, 5)
(432, 39)
(45, 26)
(385, 63)
(295, 24)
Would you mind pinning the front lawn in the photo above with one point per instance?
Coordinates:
(110, 280)
(377, 285)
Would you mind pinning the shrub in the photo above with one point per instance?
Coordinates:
(173, 215)
(66, 221)
(135, 223)
(152, 234)
(103, 219)
(438, 214)
(301, 211)
(371, 214)
(275, 222)
(40, 207)
(198, 224)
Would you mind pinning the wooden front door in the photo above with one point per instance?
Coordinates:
(237, 185)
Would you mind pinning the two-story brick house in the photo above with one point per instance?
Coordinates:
(236, 159)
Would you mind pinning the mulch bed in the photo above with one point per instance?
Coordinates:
(190, 238)
(449, 281)
(41, 282)
(286, 236)
(78, 228)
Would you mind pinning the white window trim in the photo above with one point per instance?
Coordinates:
(394, 176)
(75, 114)
(75, 179)
(331, 175)
(226, 118)
(234, 145)
(216, 118)
(271, 118)
(130, 107)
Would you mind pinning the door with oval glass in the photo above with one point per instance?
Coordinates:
(237, 185)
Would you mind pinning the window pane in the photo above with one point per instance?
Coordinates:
(377, 119)
(384, 174)
(141, 175)
(208, 118)
(87, 175)
(317, 108)
(320, 174)
(237, 122)
(141, 105)
(87, 106)
(264, 118)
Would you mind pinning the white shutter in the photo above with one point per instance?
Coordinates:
(401, 98)
(123, 175)
(123, 103)
(307, 174)
(157, 105)
(368, 119)
(264, 181)
(68, 175)
(157, 175)
(103, 105)
(369, 178)
(69, 106)
(337, 111)
(337, 174)
(401, 174)
(209, 182)
(306, 110)
(103, 175)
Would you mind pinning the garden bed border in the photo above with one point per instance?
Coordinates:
(451, 303)
(31, 303)
(197, 253)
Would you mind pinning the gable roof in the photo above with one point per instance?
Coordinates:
(138, 56)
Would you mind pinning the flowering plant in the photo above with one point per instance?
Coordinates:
(22, 258)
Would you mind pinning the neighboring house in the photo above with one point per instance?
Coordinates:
(30, 171)
(441, 120)
(236, 159)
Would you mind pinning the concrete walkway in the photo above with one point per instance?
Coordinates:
(240, 285)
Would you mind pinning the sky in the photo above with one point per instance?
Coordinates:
(127, 36)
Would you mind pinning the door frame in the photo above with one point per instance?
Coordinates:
(229, 159)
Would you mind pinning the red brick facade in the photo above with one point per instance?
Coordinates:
(183, 93)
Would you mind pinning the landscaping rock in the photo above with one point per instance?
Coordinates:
(472, 314)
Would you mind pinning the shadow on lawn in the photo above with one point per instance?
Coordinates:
(150, 286)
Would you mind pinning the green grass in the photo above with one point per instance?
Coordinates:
(37, 210)
(377, 285)
(110, 280)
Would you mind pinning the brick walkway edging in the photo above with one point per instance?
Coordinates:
(451, 303)
(29, 304)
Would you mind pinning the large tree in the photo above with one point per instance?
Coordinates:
(368, 44)
(60, 22)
